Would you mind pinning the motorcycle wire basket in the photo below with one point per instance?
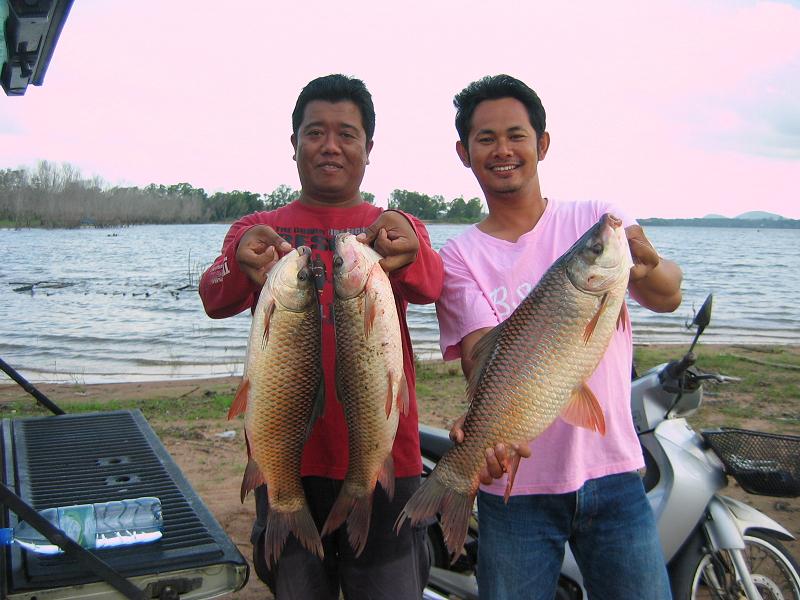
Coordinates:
(765, 464)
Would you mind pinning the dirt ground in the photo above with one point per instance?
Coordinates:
(213, 458)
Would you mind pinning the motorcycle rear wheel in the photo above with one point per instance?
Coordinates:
(702, 575)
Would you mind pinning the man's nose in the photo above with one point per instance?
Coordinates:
(502, 147)
(330, 143)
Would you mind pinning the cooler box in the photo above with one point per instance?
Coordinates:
(96, 457)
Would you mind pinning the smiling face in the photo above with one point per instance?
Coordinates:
(332, 152)
(503, 151)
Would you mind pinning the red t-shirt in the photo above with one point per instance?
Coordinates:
(226, 291)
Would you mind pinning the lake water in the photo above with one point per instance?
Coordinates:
(103, 305)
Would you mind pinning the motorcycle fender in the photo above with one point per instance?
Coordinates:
(729, 519)
(748, 517)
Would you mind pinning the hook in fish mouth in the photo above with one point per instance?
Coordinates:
(318, 271)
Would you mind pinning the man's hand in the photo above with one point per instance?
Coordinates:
(393, 237)
(498, 459)
(258, 251)
(645, 257)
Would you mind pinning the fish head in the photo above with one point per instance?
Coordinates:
(291, 280)
(600, 259)
(352, 264)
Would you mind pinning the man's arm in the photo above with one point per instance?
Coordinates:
(655, 282)
(232, 282)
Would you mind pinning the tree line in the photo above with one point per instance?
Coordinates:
(57, 195)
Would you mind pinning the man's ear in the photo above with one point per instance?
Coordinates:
(293, 139)
(369, 149)
(543, 144)
(463, 153)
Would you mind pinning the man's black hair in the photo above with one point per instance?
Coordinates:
(336, 88)
(494, 87)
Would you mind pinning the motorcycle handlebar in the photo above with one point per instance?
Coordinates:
(676, 369)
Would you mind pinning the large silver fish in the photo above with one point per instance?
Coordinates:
(369, 380)
(532, 368)
(281, 395)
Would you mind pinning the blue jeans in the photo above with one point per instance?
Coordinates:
(608, 524)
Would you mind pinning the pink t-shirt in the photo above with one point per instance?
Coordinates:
(485, 279)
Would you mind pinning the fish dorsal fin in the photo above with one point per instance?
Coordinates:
(583, 410)
(590, 327)
(269, 310)
(621, 319)
(239, 404)
(371, 299)
(481, 353)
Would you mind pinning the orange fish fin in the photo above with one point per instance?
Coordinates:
(403, 400)
(239, 404)
(583, 410)
(357, 510)
(252, 478)
(386, 476)
(590, 327)
(280, 524)
(481, 353)
(622, 319)
(512, 474)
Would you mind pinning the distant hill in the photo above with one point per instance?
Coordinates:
(758, 214)
(749, 220)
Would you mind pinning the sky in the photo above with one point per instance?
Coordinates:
(667, 109)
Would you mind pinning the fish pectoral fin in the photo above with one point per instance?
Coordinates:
(583, 410)
(239, 404)
(269, 310)
(252, 478)
(371, 300)
(591, 325)
(511, 467)
(621, 320)
(403, 401)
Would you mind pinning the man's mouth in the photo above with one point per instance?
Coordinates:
(329, 166)
(503, 168)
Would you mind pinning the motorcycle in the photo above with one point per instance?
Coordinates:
(716, 547)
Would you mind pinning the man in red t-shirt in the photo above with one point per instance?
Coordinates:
(333, 123)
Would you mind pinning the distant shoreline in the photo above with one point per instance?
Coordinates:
(731, 223)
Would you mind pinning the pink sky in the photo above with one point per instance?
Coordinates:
(670, 109)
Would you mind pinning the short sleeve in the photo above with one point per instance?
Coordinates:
(463, 307)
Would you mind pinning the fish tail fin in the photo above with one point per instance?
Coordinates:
(239, 404)
(386, 476)
(434, 497)
(339, 511)
(358, 523)
(252, 478)
(280, 524)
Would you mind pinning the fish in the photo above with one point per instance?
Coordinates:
(531, 369)
(281, 396)
(370, 382)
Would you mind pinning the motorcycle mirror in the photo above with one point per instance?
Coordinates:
(702, 319)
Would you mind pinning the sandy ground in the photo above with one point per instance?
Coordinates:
(213, 459)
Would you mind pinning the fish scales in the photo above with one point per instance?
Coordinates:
(370, 382)
(280, 395)
(528, 369)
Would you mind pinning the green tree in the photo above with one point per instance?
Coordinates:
(368, 198)
(280, 196)
(422, 206)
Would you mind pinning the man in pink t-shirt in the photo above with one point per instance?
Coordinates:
(577, 486)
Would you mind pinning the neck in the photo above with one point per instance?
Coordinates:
(330, 201)
(513, 215)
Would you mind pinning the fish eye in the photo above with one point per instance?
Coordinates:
(597, 248)
(338, 261)
(302, 275)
